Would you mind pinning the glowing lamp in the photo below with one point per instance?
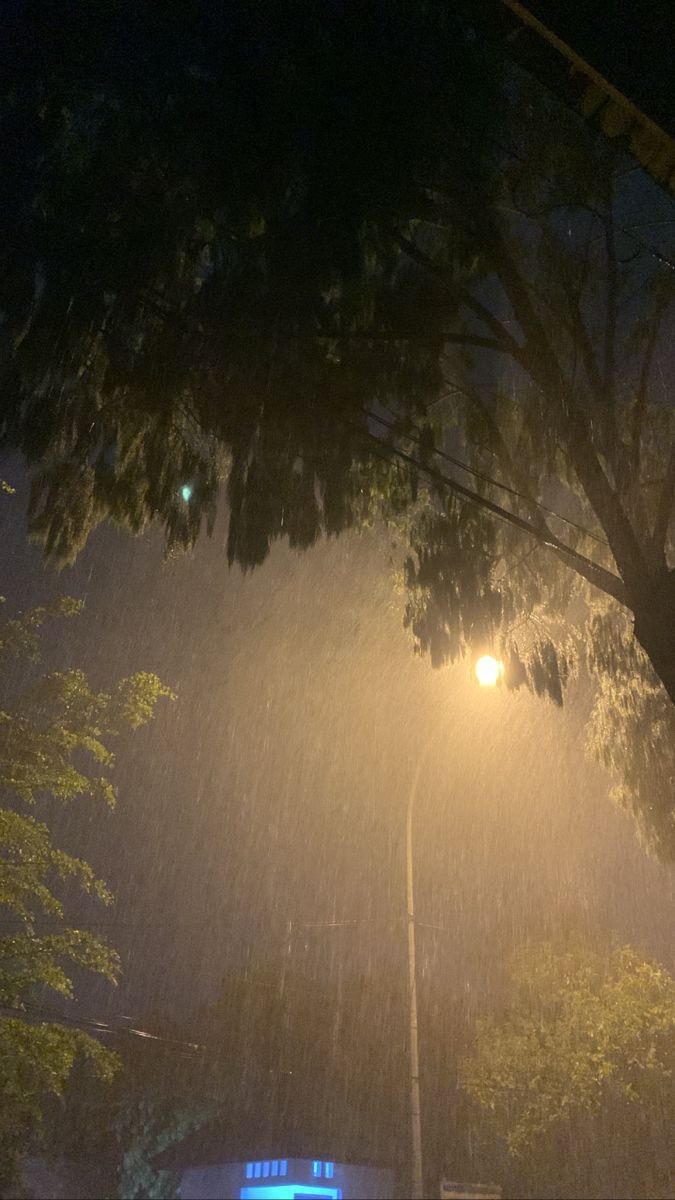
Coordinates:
(488, 670)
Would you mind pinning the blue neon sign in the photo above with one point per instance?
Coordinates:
(287, 1191)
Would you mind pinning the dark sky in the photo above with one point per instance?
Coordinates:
(274, 789)
(631, 45)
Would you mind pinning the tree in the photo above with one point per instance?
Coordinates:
(222, 192)
(164, 1090)
(584, 1046)
(571, 486)
(306, 1060)
(305, 272)
(156, 1106)
(631, 732)
(54, 745)
(283, 1057)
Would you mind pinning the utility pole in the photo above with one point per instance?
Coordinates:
(415, 1105)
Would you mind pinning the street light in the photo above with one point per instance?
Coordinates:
(489, 671)
(415, 1107)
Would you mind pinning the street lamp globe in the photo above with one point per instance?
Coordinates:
(488, 670)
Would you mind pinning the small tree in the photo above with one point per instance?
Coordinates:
(53, 743)
(586, 1042)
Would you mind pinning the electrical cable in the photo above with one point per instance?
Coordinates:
(509, 518)
(505, 487)
(48, 1012)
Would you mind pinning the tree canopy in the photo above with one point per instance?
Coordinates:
(286, 1057)
(282, 1057)
(54, 746)
(335, 259)
(585, 1040)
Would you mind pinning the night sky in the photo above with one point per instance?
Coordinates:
(604, 33)
(274, 789)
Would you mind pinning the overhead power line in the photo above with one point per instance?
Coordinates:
(596, 574)
(47, 1012)
(485, 478)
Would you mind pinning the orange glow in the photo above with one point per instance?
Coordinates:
(489, 670)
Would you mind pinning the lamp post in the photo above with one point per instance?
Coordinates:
(488, 671)
(415, 1106)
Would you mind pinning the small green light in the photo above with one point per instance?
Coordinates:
(186, 492)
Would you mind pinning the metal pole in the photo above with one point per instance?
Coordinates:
(415, 1106)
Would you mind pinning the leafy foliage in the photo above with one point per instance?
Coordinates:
(53, 744)
(580, 1030)
(338, 261)
(295, 1059)
(283, 1058)
(246, 165)
(37, 1059)
(631, 732)
(20, 635)
(149, 1122)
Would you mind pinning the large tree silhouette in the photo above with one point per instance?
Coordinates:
(351, 260)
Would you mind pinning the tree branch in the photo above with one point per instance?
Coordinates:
(342, 335)
(538, 359)
(599, 576)
(506, 342)
(611, 309)
(643, 388)
(514, 471)
(384, 335)
(665, 508)
(580, 332)
(574, 426)
(610, 306)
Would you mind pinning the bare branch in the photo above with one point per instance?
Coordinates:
(574, 424)
(507, 343)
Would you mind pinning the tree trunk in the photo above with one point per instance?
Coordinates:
(655, 629)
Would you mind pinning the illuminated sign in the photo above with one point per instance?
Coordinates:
(286, 1179)
(288, 1191)
(274, 1168)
